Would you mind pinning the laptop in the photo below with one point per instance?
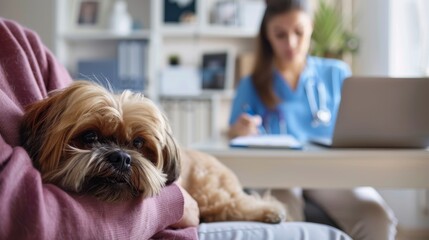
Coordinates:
(382, 112)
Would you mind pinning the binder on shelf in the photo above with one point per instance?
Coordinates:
(127, 71)
(132, 65)
(101, 71)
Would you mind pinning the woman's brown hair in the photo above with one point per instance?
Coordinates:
(262, 74)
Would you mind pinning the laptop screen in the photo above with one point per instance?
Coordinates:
(383, 112)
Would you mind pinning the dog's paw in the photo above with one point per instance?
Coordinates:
(275, 215)
(275, 211)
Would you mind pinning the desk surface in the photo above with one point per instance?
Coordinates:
(318, 167)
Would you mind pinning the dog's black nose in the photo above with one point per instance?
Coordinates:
(120, 160)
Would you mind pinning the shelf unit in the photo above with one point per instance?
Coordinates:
(188, 41)
(100, 36)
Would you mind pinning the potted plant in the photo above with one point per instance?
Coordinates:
(330, 37)
(174, 60)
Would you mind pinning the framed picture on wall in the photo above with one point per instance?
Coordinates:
(179, 11)
(88, 14)
(217, 70)
(225, 12)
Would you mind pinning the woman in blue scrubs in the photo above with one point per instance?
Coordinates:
(290, 92)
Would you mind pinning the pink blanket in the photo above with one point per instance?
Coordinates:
(30, 209)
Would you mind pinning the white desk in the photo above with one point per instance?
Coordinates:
(316, 167)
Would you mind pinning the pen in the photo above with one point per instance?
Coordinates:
(247, 109)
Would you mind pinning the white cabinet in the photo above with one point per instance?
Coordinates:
(197, 118)
(188, 41)
(189, 118)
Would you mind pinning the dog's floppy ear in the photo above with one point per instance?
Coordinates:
(36, 124)
(172, 160)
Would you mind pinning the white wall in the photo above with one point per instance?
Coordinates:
(410, 206)
(406, 37)
(392, 35)
(371, 26)
(37, 15)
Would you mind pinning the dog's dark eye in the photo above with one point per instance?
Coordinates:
(138, 142)
(89, 137)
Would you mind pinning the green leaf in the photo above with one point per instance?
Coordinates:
(329, 35)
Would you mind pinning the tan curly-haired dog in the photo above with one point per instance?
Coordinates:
(87, 140)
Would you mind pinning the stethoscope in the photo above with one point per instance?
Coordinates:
(320, 112)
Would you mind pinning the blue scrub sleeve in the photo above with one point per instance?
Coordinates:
(244, 94)
(344, 72)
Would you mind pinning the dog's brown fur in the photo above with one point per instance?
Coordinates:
(219, 194)
(72, 135)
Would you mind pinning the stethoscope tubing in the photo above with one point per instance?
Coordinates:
(320, 112)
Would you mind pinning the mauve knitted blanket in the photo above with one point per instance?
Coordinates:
(30, 209)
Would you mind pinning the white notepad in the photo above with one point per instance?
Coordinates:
(266, 141)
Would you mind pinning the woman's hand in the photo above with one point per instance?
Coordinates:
(245, 125)
(191, 213)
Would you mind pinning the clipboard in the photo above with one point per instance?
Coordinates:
(270, 141)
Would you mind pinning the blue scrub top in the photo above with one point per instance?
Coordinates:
(294, 111)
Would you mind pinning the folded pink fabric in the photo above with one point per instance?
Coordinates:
(30, 209)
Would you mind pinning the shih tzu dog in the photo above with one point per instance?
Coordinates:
(116, 147)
